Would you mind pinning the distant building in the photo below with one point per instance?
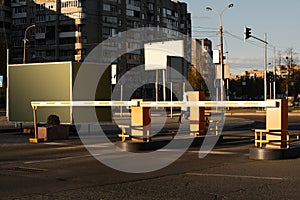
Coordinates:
(234, 77)
(284, 70)
(255, 73)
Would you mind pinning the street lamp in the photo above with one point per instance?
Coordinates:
(25, 40)
(221, 45)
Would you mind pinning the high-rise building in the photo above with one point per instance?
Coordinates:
(70, 29)
(5, 31)
(202, 57)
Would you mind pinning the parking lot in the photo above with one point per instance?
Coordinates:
(66, 170)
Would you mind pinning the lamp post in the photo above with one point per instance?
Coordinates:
(25, 40)
(221, 45)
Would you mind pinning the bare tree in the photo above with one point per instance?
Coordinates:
(291, 57)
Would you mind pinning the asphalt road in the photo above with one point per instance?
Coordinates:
(66, 170)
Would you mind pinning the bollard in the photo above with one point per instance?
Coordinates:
(197, 114)
(277, 124)
(140, 122)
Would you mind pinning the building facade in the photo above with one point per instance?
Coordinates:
(68, 30)
(202, 55)
(5, 31)
(254, 73)
(202, 60)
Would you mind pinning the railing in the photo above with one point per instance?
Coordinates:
(260, 137)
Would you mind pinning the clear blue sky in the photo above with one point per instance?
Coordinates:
(278, 18)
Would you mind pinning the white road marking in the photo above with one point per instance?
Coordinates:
(55, 143)
(57, 159)
(216, 152)
(237, 176)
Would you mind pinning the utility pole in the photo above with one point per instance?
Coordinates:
(289, 67)
(274, 75)
(221, 47)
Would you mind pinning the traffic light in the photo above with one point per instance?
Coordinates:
(291, 74)
(271, 76)
(247, 33)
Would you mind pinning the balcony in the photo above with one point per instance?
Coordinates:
(68, 22)
(19, 15)
(69, 34)
(71, 10)
(67, 46)
(77, 57)
(135, 7)
(78, 45)
(40, 36)
(79, 21)
(66, 58)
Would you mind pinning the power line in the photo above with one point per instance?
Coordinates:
(254, 43)
(202, 27)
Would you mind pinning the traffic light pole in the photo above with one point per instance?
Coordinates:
(265, 71)
(222, 63)
(247, 34)
(264, 41)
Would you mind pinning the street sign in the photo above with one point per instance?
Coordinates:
(156, 53)
(114, 74)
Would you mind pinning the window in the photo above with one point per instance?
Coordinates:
(109, 31)
(40, 7)
(41, 18)
(19, 10)
(133, 13)
(164, 12)
(106, 7)
(110, 20)
(40, 29)
(129, 13)
(150, 6)
(109, 8)
(19, 21)
(169, 12)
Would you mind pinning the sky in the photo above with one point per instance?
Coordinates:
(279, 19)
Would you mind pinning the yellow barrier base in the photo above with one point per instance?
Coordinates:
(33, 140)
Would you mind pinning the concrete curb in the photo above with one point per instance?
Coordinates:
(274, 154)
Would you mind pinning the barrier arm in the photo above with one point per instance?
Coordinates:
(36, 104)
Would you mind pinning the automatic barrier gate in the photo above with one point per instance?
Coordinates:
(276, 115)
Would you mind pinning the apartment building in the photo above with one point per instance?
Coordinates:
(254, 73)
(5, 20)
(70, 29)
(5, 31)
(202, 55)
